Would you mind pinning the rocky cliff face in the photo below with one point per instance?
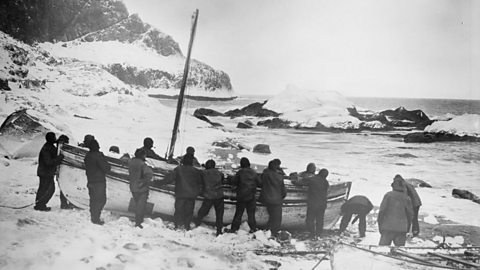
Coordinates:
(132, 30)
(201, 76)
(56, 21)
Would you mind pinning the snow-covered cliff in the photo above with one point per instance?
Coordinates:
(104, 33)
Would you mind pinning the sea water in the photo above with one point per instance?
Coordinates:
(370, 159)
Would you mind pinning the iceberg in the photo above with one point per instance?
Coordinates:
(311, 108)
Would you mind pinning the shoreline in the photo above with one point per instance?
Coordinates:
(197, 98)
(64, 232)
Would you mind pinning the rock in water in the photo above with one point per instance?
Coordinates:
(255, 109)
(428, 137)
(402, 117)
(275, 123)
(465, 194)
(243, 125)
(207, 112)
(262, 148)
(201, 115)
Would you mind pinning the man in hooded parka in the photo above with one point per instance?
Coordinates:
(96, 167)
(246, 181)
(47, 166)
(416, 203)
(212, 180)
(316, 201)
(188, 181)
(395, 215)
(140, 176)
(272, 194)
(309, 172)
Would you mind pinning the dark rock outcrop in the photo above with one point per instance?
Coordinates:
(204, 118)
(399, 117)
(429, 137)
(255, 109)
(143, 77)
(204, 76)
(207, 112)
(104, 20)
(58, 20)
(375, 116)
(465, 194)
(262, 148)
(4, 85)
(20, 124)
(274, 123)
(18, 55)
(201, 114)
(132, 29)
(201, 76)
(243, 125)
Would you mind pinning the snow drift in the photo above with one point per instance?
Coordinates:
(467, 124)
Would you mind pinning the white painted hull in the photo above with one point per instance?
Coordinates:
(73, 183)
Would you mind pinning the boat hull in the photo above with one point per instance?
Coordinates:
(73, 183)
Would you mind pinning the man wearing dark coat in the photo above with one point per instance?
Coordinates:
(316, 201)
(246, 181)
(191, 151)
(309, 172)
(147, 146)
(416, 203)
(87, 139)
(96, 167)
(395, 215)
(272, 194)
(187, 181)
(47, 167)
(140, 176)
(357, 205)
(212, 180)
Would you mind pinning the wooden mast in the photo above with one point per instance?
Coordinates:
(182, 88)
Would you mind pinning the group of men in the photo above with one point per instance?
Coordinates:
(397, 214)
(191, 180)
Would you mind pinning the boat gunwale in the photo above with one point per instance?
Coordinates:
(168, 188)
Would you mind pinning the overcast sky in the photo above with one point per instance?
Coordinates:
(383, 48)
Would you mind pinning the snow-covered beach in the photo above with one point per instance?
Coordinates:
(60, 238)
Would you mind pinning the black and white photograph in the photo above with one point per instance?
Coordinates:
(227, 134)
